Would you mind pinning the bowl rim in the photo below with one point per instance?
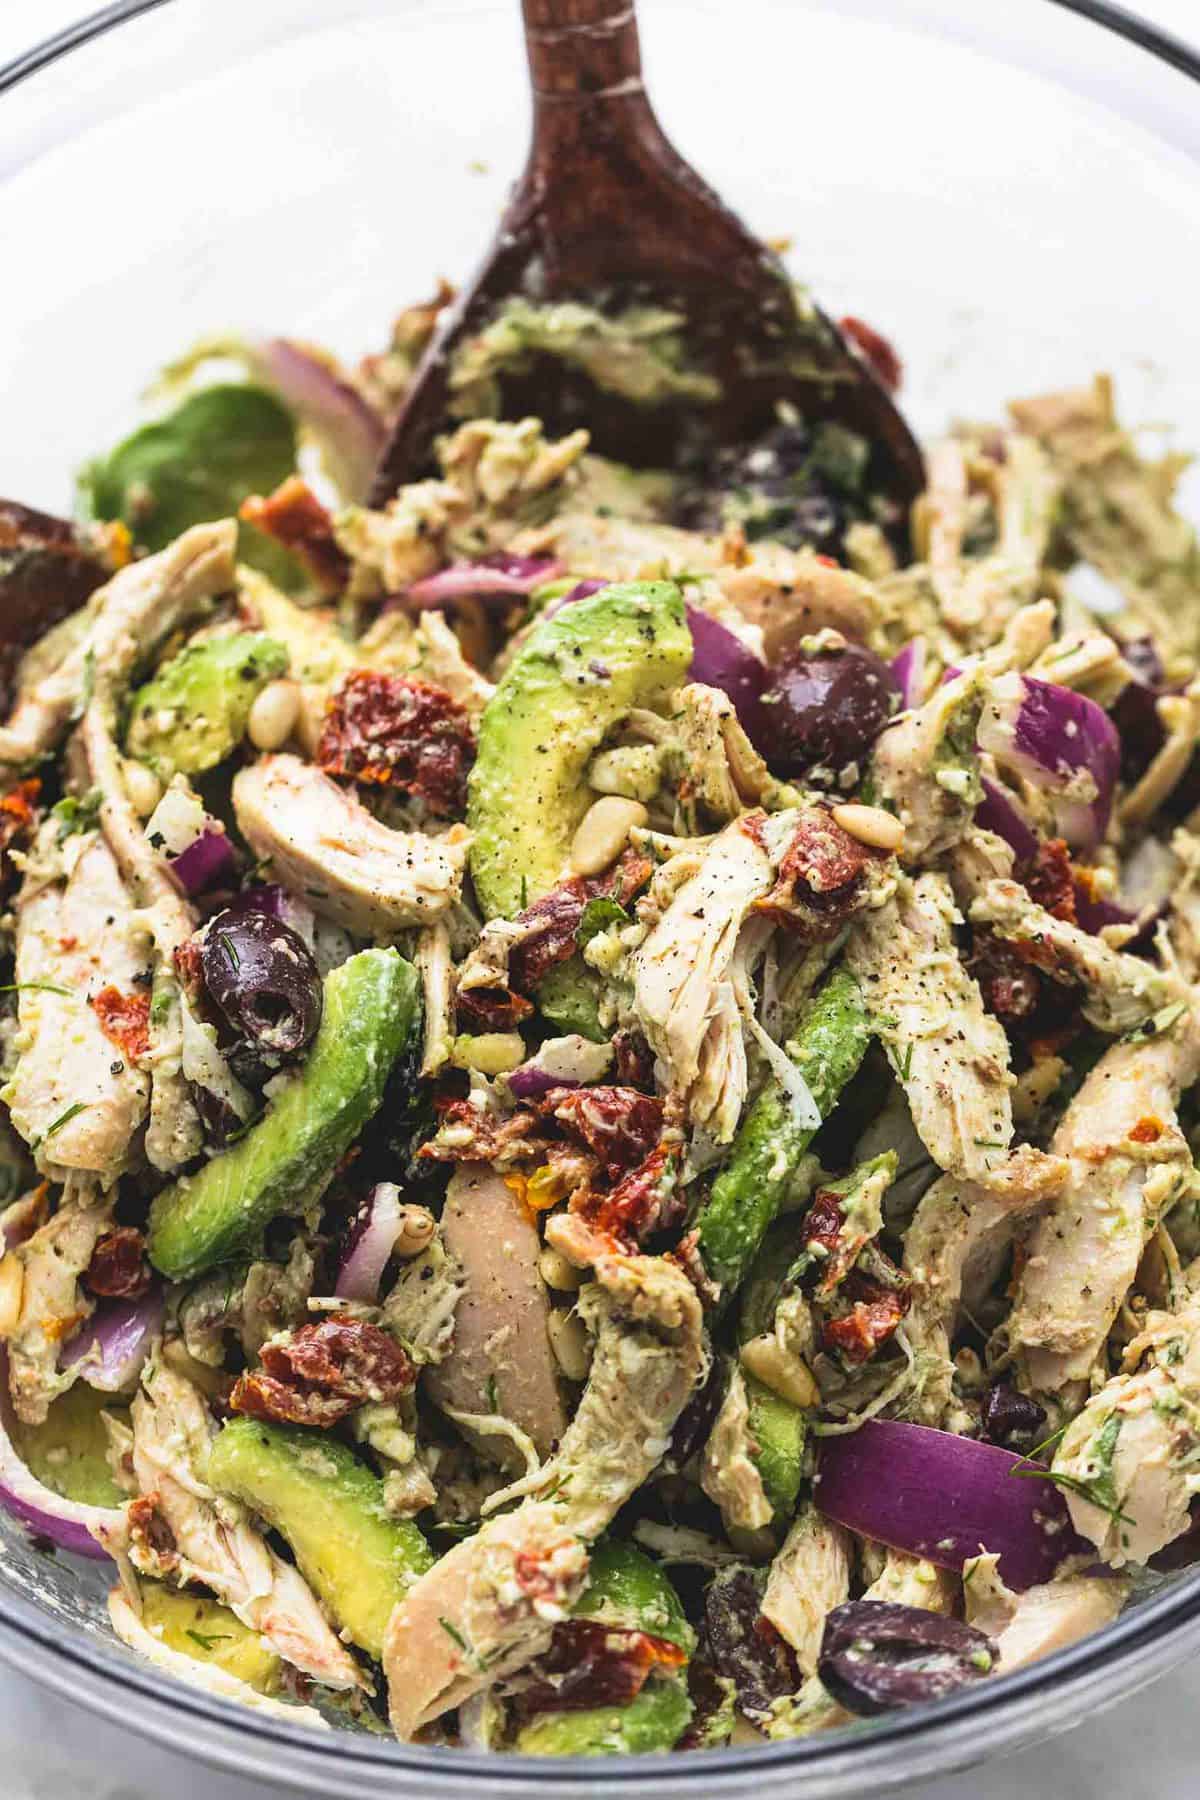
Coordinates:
(1145, 1640)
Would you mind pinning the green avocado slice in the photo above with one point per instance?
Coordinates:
(193, 713)
(575, 679)
(200, 1627)
(329, 1506)
(653, 1720)
(286, 1160)
(628, 1588)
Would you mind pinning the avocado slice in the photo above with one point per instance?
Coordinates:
(200, 1627)
(779, 1429)
(330, 1508)
(285, 1161)
(579, 674)
(655, 1719)
(193, 713)
(68, 1451)
(627, 1588)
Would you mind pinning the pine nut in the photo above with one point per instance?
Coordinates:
(603, 833)
(273, 715)
(142, 787)
(415, 1233)
(870, 825)
(558, 1273)
(785, 1375)
(571, 1345)
(12, 1288)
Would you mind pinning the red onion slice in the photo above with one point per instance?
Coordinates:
(495, 577)
(67, 1523)
(349, 431)
(570, 1061)
(114, 1344)
(208, 861)
(721, 660)
(998, 812)
(909, 669)
(1063, 744)
(947, 1499)
(369, 1242)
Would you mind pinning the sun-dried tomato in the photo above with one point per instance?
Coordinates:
(152, 1544)
(618, 1125)
(878, 351)
(1010, 987)
(124, 1020)
(47, 570)
(118, 1269)
(395, 731)
(318, 1374)
(295, 518)
(875, 1312)
(821, 877)
(18, 814)
(1049, 879)
(647, 1200)
(1148, 1130)
(592, 1664)
(553, 921)
(633, 1060)
(466, 1133)
(492, 1009)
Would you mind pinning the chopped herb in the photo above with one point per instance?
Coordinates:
(77, 813)
(493, 1403)
(597, 916)
(63, 1118)
(87, 688)
(207, 1640)
(160, 1007)
(451, 1630)
(524, 892)
(1155, 1026)
(988, 1144)
(230, 948)
(905, 1069)
(44, 987)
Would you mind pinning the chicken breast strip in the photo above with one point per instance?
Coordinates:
(213, 1538)
(682, 988)
(1129, 1164)
(491, 1604)
(143, 604)
(950, 1055)
(325, 845)
(76, 1096)
(953, 1252)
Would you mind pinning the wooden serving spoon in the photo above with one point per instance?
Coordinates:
(609, 213)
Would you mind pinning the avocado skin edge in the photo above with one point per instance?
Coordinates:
(286, 1160)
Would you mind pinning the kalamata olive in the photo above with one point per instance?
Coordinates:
(697, 1418)
(1011, 1419)
(877, 1657)
(826, 711)
(263, 977)
(744, 1646)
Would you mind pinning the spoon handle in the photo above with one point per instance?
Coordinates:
(582, 51)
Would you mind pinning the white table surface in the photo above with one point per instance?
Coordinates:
(1148, 1747)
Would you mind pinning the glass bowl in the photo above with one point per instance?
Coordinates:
(1012, 194)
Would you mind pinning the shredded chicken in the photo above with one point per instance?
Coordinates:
(950, 1055)
(53, 1306)
(323, 843)
(212, 1538)
(1129, 1164)
(810, 1576)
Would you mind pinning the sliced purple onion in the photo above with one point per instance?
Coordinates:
(208, 862)
(998, 812)
(369, 1243)
(721, 660)
(67, 1523)
(1063, 744)
(499, 576)
(909, 670)
(114, 1344)
(351, 433)
(571, 1061)
(947, 1499)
